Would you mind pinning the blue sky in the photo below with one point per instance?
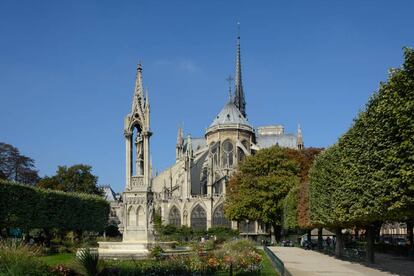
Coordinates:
(67, 70)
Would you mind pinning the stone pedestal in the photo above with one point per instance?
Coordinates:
(123, 250)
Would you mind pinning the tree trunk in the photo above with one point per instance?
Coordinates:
(410, 235)
(309, 235)
(320, 238)
(370, 238)
(339, 245)
(276, 229)
(48, 237)
(356, 230)
(278, 233)
(78, 236)
(272, 235)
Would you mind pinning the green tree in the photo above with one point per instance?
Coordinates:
(296, 210)
(367, 177)
(77, 178)
(17, 167)
(258, 189)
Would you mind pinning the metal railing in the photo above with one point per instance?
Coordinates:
(276, 262)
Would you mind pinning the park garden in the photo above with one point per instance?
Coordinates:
(51, 237)
(364, 180)
(354, 186)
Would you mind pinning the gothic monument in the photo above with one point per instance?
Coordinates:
(192, 191)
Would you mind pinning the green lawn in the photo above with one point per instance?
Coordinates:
(66, 259)
(267, 265)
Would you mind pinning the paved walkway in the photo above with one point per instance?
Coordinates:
(302, 262)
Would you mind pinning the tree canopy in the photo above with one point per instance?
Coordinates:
(16, 167)
(77, 178)
(368, 175)
(296, 210)
(257, 190)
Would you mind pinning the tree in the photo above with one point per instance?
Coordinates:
(17, 167)
(258, 189)
(367, 177)
(77, 178)
(297, 201)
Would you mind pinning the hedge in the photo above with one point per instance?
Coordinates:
(28, 207)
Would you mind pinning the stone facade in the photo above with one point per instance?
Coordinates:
(192, 191)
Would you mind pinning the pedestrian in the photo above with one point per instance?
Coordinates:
(328, 241)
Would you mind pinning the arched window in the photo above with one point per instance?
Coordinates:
(174, 218)
(203, 181)
(218, 184)
(227, 160)
(214, 154)
(199, 218)
(140, 216)
(240, 153)
(132, 221)
(185, 217)
(218, 217)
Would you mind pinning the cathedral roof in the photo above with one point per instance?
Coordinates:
(229, 116)
(281, 140)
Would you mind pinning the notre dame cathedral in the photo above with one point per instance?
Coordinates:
(192, 191)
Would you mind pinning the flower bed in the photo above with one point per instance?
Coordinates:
(237, 256)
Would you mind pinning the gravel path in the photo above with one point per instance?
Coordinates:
(300, 262)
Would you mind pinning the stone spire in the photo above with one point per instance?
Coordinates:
(189, 146)
(300, 138)
(180, 136)
(239, 100)
(180, 142)
(138, 101)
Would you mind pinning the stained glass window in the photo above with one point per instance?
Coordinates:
(219, 218)
(227, 154)
(174, 218)
(199, 218)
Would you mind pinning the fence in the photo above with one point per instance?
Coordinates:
(276, 262)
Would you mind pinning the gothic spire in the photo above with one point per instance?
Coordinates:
(138, 100)
(239, 100)
(180, 136)
(300, 143)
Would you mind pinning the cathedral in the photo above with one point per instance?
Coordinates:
(192, 191)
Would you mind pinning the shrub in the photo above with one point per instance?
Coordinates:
(222, 233)
(209, 245)
(156, 252)
(88, 261)
(28, 207)
(240, 255)
(112, 231)
(19, 259)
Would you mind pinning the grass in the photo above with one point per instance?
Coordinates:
(267, 265)
(67, 259)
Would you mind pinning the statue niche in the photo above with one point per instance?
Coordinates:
(138, 151)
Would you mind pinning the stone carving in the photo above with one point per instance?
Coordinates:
(137, 181)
